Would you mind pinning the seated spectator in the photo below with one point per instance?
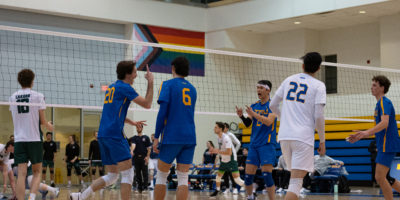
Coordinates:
(208, 158)
(281, 175)
(321, 163)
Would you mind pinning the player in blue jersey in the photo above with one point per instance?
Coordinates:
(114, 147)
(386, 136)
(175, 126)
(262, 140)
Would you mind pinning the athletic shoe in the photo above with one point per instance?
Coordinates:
(75, 196)
(304, 191)
(251, 198)
(69, 185)
(226, 191)
(279, 190)
(215, 193)
(57, 192)
(235, 191)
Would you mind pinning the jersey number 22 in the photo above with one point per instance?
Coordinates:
(298, 94)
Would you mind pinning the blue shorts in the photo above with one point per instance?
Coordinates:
(262, 155)
(385, 158)
(114, 150)
(182, 152)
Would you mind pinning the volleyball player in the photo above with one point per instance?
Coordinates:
(114, 147)
(228, 158)
(28, 140)
(304, 99)
(175, 125)
(262, 141)
(386, 135)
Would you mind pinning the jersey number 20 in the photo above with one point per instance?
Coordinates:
(109, 95)
(297, 94)
(187, 101)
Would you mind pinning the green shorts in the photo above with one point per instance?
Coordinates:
(48, 163)
(28, 151)
(231, 166)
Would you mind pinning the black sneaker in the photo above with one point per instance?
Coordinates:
(215, 193)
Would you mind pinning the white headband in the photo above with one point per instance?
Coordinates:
(264, 86)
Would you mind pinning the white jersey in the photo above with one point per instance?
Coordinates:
(26, 118)
(4, 157)
(300, 93)
(225, 143)
(235, 141)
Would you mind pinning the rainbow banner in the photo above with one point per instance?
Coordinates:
(159, 59)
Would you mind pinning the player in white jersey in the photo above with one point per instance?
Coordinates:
(27, 133)
(5, 166)
(304, 99)
(228, 159)
(236, 143)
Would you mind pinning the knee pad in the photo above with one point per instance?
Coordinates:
(295, 186)
(390, 179)
(101, 172)
(248, 179)
(110, 178)
(43, 171)
(151, 172)
(93, 171)
(127, 176)
(161, 178)
(183, 177)
(51, 171)
(269, 181)
(239, 181)
(218, 179)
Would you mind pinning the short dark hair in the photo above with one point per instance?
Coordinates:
(10, 143)
(125, 67)
(26, 77)
(220, 125)
(383, 81)
(182, 66)
(49, 133)
(226, 125)
(265, 82)
(312, 61)
(73, 138)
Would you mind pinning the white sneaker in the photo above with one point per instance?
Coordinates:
(69, 185)
(235, 191)
(279, 190)
(57, 192)
(226, 191)
(75, 196)
(304, 191)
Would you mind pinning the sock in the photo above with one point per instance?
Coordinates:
(69, 182)
(51, 189)
(218, 188)
(32, 196)
(51, 182)
(82, 182)
(85, 194)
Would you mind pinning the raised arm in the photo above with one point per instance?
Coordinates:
(148, 99)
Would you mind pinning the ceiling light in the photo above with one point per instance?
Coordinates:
(362, 12)
(297, 22)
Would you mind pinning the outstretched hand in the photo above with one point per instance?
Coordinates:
(149, 75)
(357, 136)
(250, 111)
(239, 111)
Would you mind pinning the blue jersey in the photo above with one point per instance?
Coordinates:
(262, 134)
(180, 96)
(116, 103)
(388, 139)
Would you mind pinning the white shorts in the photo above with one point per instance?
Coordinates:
(298, 155)
(153, 164)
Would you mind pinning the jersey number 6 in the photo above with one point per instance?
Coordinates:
(298, 94)
(187, 101)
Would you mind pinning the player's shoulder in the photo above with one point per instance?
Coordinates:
(386, 100)
(36, 94)
(256, 103)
